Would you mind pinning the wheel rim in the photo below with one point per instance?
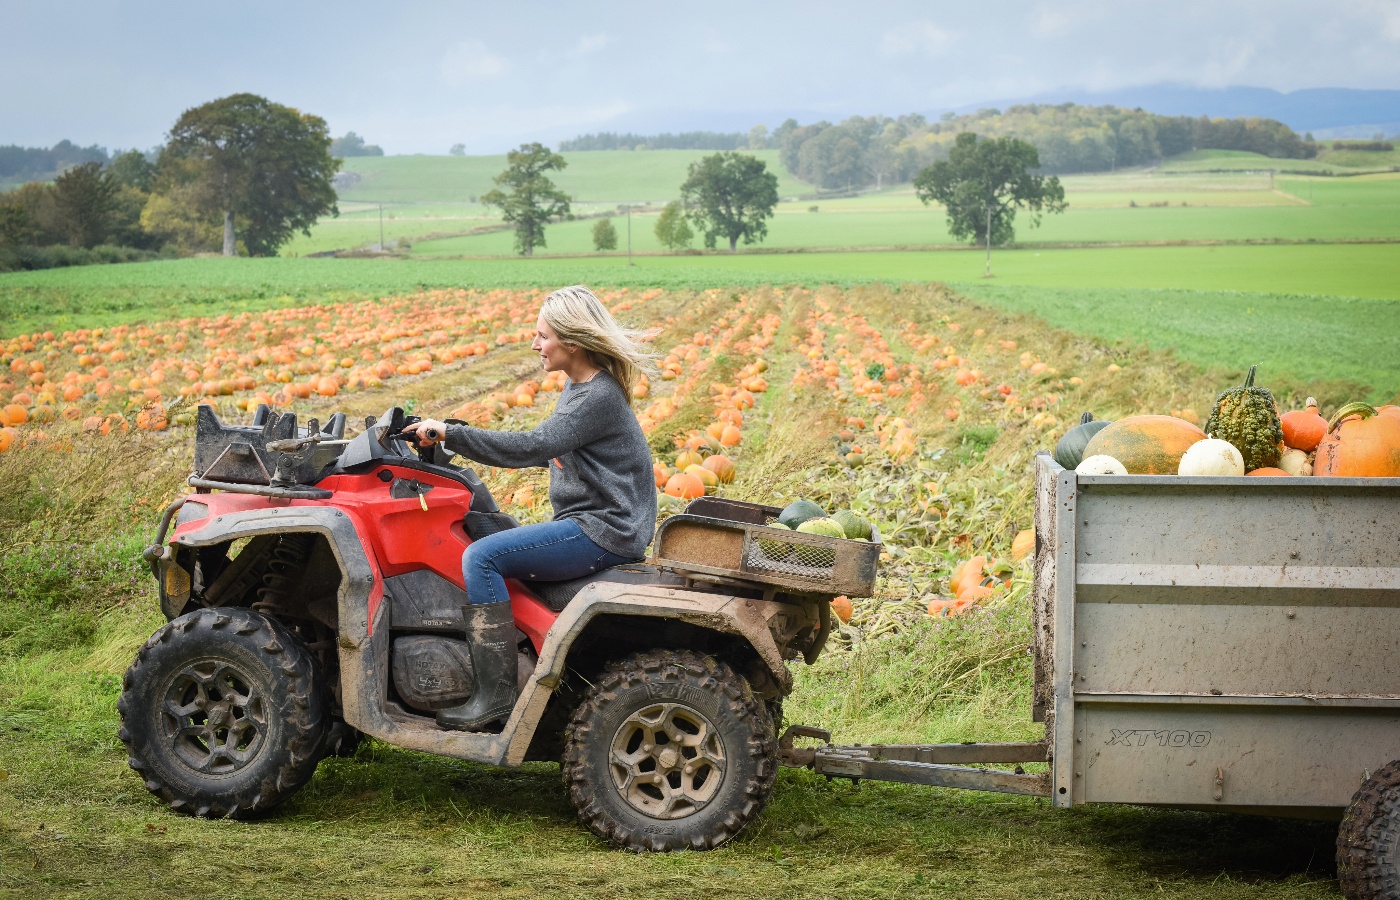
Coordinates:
(667, 761)
(214, 718)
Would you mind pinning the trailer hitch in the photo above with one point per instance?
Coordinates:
(800, 757)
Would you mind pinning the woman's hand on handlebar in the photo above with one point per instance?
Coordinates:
(427, 432)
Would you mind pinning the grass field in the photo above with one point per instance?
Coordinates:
(75, 602)
(1340, 162)
(590, 177)
(1310, 313)
(1169, 204)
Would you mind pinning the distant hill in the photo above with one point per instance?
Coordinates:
(1326, 112)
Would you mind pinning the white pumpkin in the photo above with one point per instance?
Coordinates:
(1103, 464)
(1295, 462)
(1212, 457)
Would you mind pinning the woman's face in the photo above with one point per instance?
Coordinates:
(554, 353)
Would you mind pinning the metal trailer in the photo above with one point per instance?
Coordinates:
(1200, 643)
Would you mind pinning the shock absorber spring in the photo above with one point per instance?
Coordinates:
(283, 567)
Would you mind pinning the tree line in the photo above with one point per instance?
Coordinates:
(239, 175)
(18, 164)
(686, 140)
(877, 150)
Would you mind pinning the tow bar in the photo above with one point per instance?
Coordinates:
(938, 765)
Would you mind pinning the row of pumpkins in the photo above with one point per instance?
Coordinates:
(1245, 435)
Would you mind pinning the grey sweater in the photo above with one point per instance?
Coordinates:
(599, 463)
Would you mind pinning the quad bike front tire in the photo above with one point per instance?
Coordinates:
(1368, 841)
(669, 750)
(222, 715)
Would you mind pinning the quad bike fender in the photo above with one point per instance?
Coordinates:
(359, 588)
(750, 620)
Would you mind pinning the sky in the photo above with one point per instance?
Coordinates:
(418, 77)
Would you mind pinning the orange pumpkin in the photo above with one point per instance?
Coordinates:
(1024, 544)
(722, 466)
(841, 607)
(685, 486)
(707, 478)
(1303, 429)
(1146, 445)
(1360, 443)
(967, 574)
(1269, 472)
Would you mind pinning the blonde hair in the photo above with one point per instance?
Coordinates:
(580, 318)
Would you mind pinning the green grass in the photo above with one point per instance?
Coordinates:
(1100, 211)
(591, 176)
(1327, 160)
(1299, 341)
(836, 228)
(1313, 312)
(1239, 160)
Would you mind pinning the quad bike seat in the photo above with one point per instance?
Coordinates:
(557, 594)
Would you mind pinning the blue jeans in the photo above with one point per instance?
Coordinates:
(550, 551)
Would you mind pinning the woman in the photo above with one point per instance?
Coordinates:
(600, 484)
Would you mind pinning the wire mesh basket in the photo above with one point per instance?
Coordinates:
(733, 539)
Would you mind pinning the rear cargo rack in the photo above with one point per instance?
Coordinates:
(731, 539)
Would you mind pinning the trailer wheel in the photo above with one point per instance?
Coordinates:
(221, 713)
(669, 750)
(1368, 842)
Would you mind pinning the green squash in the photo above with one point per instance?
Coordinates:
(1069, 452)
(799, 511)
(1247, 417)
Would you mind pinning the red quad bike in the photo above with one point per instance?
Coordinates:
(313, 587)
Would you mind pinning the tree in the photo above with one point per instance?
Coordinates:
(458, 150)
(672, 230)
(983, 183)
(266, 164)
(758, 137)
(354, 145)
(86, 198)
(533, 199)
(604, 235)
(730, 195)
(133, 169)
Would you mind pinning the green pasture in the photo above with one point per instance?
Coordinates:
(428, 203)
(834, 228)
(605, 175)
(1327, 160)
(1312, 313)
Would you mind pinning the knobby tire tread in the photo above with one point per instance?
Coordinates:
(675, 666)
(302, 700)
(1368, 841)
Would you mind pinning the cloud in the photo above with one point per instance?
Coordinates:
(922, 37)
(1052, 21)
(469, 62)
(592, 43)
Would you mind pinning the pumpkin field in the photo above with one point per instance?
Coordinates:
(911, 405)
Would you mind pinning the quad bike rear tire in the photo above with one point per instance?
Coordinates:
(1368, 842)
(222, 715)
(670, 750)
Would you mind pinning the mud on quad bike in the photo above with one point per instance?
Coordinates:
(314, 595)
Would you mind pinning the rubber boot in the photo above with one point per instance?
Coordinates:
(491, 633)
